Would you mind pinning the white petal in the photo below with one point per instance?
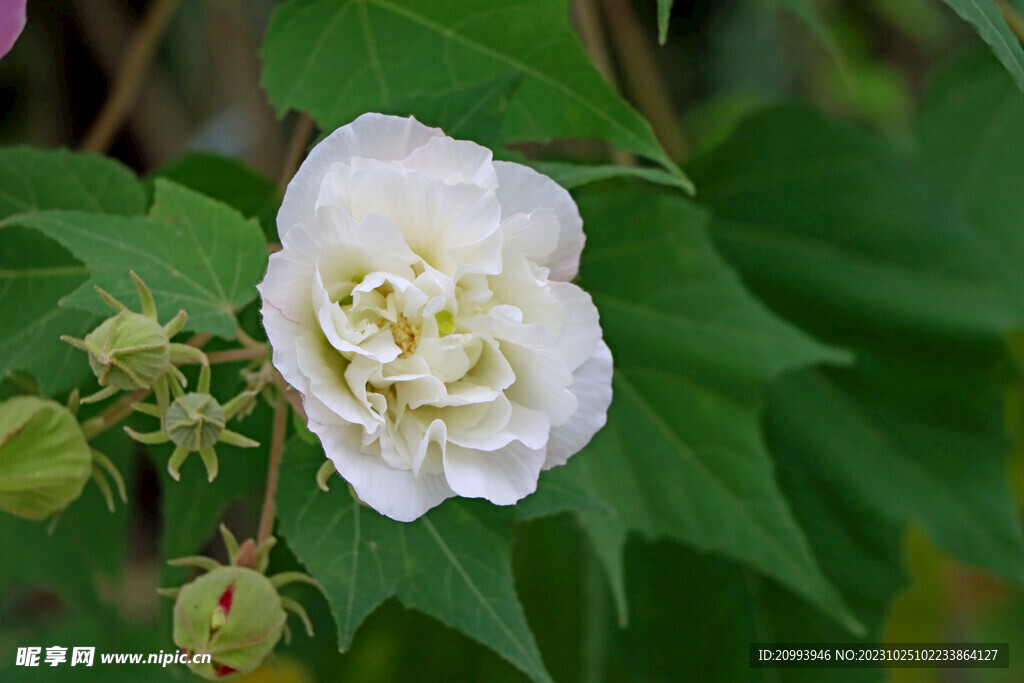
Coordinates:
(502, 476)
(325, 368)
(580, 330)
(454, 161)
(282, 334)
(592, 385)
(534, 235)
(542, 381)
(387, 138)
(446, 225)
(522, 190)
(398, 494)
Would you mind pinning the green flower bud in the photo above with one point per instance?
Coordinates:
(45, 460)
(195, 421)
(232, 613)
(128, 351)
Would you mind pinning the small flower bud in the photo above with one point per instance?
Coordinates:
(232, 613)
(45, 460)
(128, 351)
(195, 421)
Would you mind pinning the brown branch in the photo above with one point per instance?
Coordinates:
(296, 151)
(276, 448)
(587, 19)
(114, 414)
(289, 394)
(643, 77)
(234, 355)
(130, 77)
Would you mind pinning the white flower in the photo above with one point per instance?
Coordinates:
(421, 304)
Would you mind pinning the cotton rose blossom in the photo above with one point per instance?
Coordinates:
(422, 305)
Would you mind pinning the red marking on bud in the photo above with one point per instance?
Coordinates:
(225, 670)
(225, 600)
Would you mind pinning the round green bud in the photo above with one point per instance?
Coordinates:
(128, 351)
(195, 421)
(45, 460)
(232, 613)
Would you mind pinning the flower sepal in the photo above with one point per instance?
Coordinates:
(235, 612)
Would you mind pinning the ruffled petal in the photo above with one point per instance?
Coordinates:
(387, 138)
(503, 476)
(523, 190)
(592, 385)
(396, 493)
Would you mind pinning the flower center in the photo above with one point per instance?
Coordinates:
(406, 335)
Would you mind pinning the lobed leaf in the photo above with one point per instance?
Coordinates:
(914, 260)
(194, 253)
(682, 455)
(35, 272)
(453, 563)
(337, 60)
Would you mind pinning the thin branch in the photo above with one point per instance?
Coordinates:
(643, 78)
(587, 19)
(289, 394)
(296, 151)
(245, 340)
(114, 414)
(130, 78)
(235, 355)
(276, 448)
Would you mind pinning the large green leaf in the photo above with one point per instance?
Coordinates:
(453, 563)
(35, 272)
(888, 252)
(682, 455)
(229, 181)
(882, 454)
(337, 60)
(987, 19)
(194, 253)
(845, 226)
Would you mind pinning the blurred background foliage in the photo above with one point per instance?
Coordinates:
(865, 61)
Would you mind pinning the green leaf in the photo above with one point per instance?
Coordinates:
(882, 455)
(558, 490)
(453, 563)
(988, 21)
(194, 253)
(571, 176)
(36, 180)
(682, 455)
(50, 582)
(845, 226)
(35, 272)
(229, 181)
(915, 260)
(337, 60)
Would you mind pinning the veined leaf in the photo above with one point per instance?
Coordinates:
(193, 252)
(453, 563)
(337, 60)
(35, 272)
(915, 261)
(682, 455)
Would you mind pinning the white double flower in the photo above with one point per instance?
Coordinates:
(422, 305)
